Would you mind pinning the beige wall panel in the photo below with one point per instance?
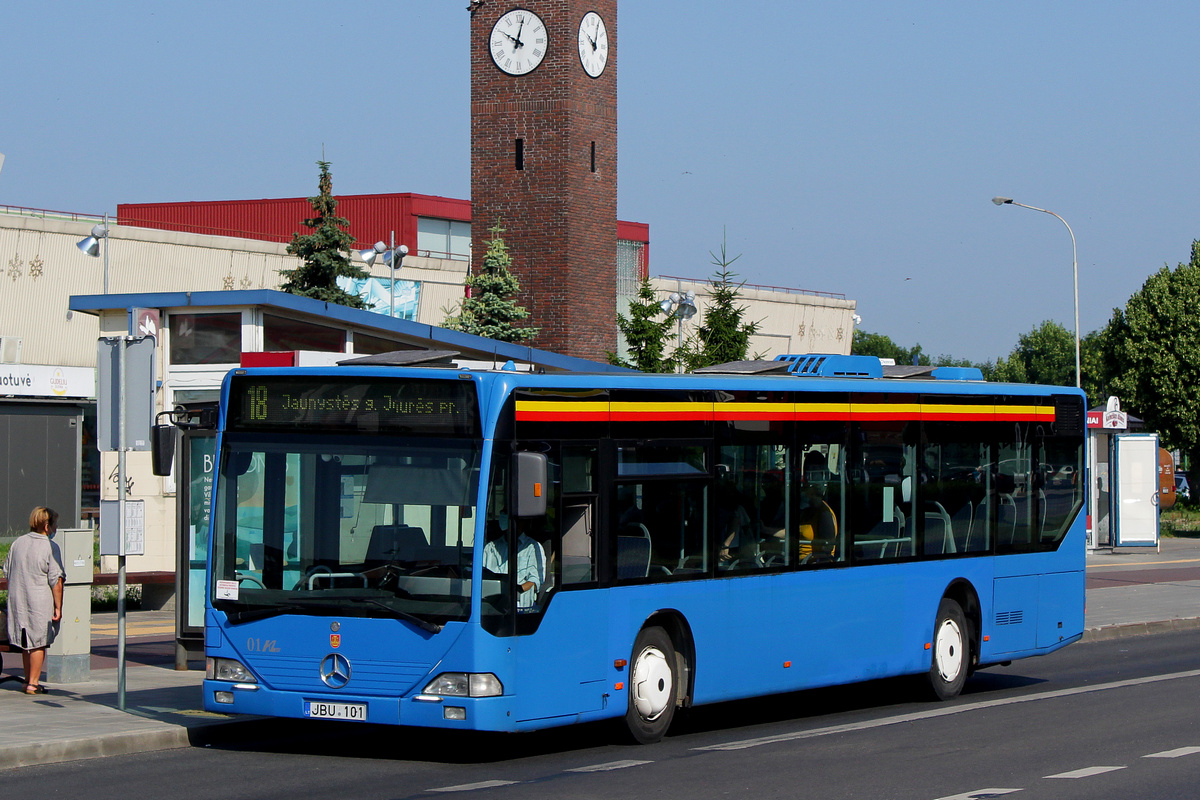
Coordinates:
(788, 322)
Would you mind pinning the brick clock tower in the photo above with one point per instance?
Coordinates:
(544, 160)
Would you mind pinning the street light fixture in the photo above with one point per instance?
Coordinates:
(392, 256)
(1008, 201)
(681, 307)
(372, 253)
(91, 246)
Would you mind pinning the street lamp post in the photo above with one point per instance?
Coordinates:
(1008, 201)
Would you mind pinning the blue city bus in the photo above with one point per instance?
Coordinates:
(748, 529)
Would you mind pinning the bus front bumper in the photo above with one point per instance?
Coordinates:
(461, 713)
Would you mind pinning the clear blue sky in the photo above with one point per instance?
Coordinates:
(846, 147)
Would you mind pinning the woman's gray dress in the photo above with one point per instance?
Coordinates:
(34, 564)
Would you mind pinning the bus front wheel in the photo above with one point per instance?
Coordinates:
(951, 651)
(652, 686)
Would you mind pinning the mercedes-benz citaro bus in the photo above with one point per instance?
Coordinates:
(506, 551)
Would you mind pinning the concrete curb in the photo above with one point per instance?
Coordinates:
(166, 737)
(1139, 629)
(118, 744)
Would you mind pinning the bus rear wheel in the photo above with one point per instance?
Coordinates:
(652, 686)
(951, 651)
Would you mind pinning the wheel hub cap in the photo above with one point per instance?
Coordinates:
(948, 650)
(651, 683)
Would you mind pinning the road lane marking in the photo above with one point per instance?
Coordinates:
(470, 787)
(980, 794)
(1086, 772)
(133, 630)
(945, 711)
(1176, 753)
(1143, 563)
(610, 766)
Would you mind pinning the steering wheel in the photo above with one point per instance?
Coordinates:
(391, 581)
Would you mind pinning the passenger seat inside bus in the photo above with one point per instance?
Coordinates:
(633, 554)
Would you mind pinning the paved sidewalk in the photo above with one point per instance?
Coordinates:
(1138, 590)
(1130, 592)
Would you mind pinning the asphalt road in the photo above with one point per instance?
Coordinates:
(1107, 719)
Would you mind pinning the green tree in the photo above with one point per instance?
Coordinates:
(490, 310)
(325, 251)
(1155, 346)
(879, 345)
(1096, 366)
(723, 336)
(645, 335)
(1045, 355)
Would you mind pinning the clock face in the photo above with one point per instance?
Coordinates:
(518, 42)
(593, 44)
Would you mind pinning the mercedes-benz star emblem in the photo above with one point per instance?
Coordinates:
(335, 670)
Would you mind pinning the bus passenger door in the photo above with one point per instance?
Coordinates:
(561, 642)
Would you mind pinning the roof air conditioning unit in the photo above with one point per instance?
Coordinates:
(10, 349)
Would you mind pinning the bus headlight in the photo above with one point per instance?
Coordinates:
(464, 684)
(226, 669)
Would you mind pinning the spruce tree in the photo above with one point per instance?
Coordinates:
(490, 310)
(326, 251)
(646, 336)
(722, 337)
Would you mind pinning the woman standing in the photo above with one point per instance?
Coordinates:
(35, 592)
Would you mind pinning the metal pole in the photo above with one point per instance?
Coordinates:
(124, 342)
(392, 288)
(1074, 271)
(106, 252)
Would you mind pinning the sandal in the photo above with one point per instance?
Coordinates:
(31, 689)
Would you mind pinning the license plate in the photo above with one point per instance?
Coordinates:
(318, 709)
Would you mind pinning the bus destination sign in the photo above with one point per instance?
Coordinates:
(335, 405)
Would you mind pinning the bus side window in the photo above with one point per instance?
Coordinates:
(578, 545)
(883, 523)
(577, 522)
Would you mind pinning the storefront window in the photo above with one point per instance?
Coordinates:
(206, 338)
(289, 334)
(365, 345)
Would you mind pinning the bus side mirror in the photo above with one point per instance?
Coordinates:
(162, 448)
(530, 471)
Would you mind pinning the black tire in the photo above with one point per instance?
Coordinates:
(653, 686)
(951, 659)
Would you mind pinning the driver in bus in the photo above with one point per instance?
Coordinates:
(531, 561)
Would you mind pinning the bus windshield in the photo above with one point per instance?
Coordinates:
(337, 525)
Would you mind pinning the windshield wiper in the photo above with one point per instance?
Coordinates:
(308, 605)
(424, 625)
(238, 617)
